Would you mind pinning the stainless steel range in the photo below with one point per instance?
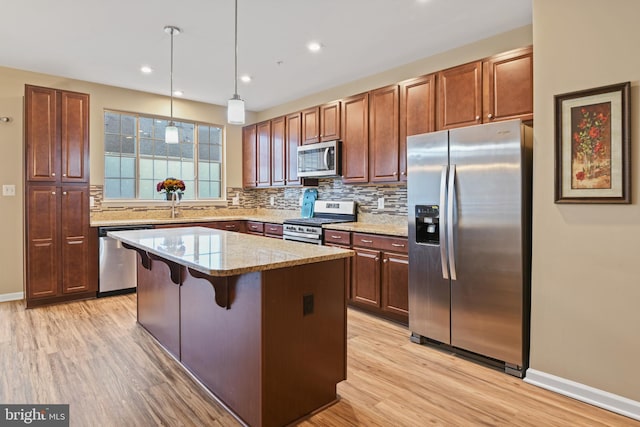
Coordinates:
(309, 230)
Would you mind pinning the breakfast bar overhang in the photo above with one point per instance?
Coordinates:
(260, 322)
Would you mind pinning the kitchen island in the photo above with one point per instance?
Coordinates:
(260, 322)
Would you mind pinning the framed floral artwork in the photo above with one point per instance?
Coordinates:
(593, 145)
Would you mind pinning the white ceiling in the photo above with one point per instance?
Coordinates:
(107, 41)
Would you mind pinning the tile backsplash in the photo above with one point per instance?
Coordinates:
(284, 198)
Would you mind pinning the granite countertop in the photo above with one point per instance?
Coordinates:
(225, 253)
(392, 229)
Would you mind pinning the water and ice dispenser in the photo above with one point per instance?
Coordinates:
(428, 224)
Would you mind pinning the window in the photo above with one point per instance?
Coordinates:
(136, 157)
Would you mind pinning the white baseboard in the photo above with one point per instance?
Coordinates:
(593, 396)
(16, 296)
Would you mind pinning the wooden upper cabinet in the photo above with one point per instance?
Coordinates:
(293, 130)
(249, 157)
(41, 134)
(278, 152)
(74, 136)
(417, 113)
(384, 111)
(57, 135)
(355, 138)
(508, 86)
(263, 154)
(311, 125)
(460, 96)
(330, 121)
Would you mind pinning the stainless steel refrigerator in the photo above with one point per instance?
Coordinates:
(469, 207)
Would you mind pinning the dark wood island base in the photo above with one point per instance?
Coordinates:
(272, 349)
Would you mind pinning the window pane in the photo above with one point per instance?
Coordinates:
(137, 158)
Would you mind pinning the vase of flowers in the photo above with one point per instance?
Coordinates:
(171, 186)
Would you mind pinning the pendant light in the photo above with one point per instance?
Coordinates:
(171, 132)
(235, 106)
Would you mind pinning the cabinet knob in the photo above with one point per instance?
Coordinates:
(366, 241)
(53, 174)
(64, 174)
(397, 245)
(403, 173)
(336, 237)
(477, 117)
(64, 193)
(395, 173)
(385, 260)
(490, 116)
(53, 192)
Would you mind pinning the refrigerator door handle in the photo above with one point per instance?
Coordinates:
(443, 222)
(450, 207)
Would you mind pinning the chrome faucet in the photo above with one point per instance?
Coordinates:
(174, 202)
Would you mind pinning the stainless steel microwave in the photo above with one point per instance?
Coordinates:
(323, 159)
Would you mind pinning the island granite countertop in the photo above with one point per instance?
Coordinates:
(224, 253)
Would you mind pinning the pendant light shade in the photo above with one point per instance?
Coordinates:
(235, 111)
(171, 135)
(235, 106)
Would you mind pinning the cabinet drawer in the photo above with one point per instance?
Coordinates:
(255, 227)
(273, 230)
(385, 243)
(337, 237)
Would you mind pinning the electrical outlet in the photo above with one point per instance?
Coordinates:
(300, 201)
(272, 200)
(380, 202)
(307, 304)
(8, 190)
(92, 201)
(235, 201)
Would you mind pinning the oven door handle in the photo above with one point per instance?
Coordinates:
(303, 235)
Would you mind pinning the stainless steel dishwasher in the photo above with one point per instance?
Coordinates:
(117, 264)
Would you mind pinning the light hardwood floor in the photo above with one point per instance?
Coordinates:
(93, 355)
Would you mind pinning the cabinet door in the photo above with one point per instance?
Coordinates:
(395, 283)
(311, 125)
(278, 152)
(508, 86)
(384, 113)
(417, 113)
(263, 131)
(74, 229)
(74, 136)
(355, 138)
(292, 141)
(460, 96)
(330, 121)
(249, 157)
(42, 241)
(41, 134)
(366, 277)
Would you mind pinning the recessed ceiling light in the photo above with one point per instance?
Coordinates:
(178, 93)
(314, 46)
(245, 78)
(146, 69)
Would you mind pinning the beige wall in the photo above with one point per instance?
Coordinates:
(102, 97)
(586, 258)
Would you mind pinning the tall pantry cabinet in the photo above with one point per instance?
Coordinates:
(58, 262)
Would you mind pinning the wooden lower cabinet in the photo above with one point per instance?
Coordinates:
(380, 276)
(273, 230)
(255, 227)
(62, 253)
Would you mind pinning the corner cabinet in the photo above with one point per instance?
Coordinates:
(61, 252)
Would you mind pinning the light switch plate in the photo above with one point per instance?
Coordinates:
(380, 202)
(8, 190)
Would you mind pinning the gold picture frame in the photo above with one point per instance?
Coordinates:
(593, 139)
